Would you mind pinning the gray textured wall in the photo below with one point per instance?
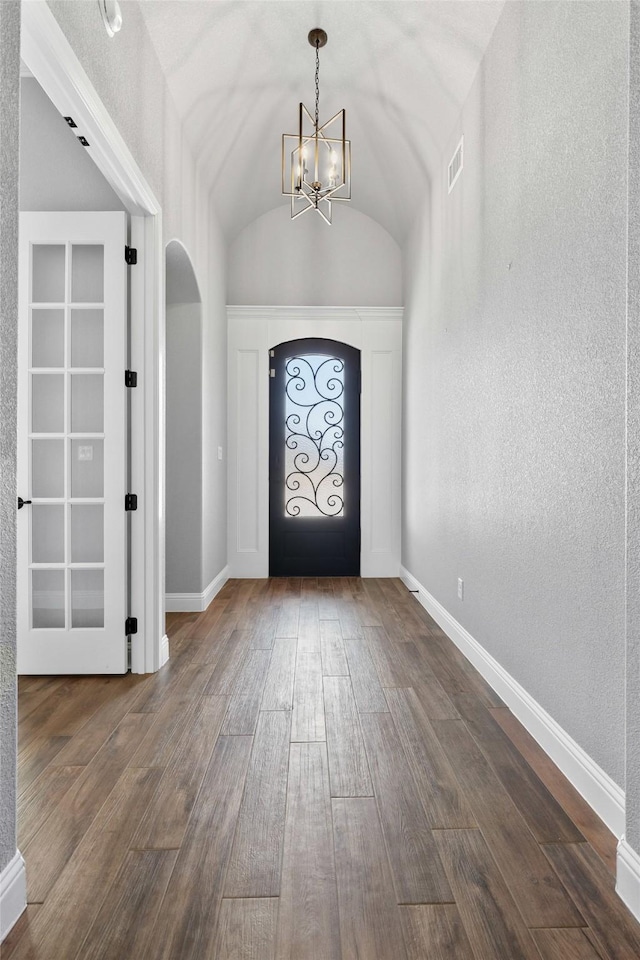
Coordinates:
(633, 444)
(9, 153)
(184, 447)
(56, 172)
(515, 367)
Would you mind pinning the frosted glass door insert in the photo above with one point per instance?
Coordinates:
(314, 459)
(314, 414)
(72, 443)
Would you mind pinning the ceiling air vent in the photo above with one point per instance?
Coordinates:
(455, 167)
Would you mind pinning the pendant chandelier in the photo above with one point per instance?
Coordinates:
(316, 161)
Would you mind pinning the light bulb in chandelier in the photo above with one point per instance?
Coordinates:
(316, 162)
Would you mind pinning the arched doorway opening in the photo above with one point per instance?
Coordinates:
(183, 429)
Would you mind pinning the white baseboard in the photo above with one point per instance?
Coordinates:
(196, 602)
(628, 877)
(596, 786)
(13, 893)
(164, 651)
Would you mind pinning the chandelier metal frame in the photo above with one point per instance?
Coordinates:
(302, 154)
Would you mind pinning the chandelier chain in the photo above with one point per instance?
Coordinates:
(317, 84)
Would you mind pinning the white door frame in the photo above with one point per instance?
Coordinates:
(52, 61)
(377, 333)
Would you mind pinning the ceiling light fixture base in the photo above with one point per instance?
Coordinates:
(317, 36)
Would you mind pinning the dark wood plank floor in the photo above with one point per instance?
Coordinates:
(316, 774)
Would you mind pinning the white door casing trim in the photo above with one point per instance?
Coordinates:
(50, 58)
(377, 333)
(13, 893)
(590, 780)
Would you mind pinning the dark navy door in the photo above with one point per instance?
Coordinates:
(314, 459)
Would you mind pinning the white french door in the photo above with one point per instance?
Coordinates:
(72, 350)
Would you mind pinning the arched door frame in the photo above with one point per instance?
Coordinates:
(377, 333)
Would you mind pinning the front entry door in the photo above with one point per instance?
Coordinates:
(314, 459)
(71, 443)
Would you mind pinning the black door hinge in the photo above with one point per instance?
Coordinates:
(130, 626)
(130, 378)
(131, 501)
(131, 255)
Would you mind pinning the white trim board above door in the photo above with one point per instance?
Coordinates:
(377, 333)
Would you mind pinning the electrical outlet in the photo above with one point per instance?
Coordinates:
(219, 453)
(460, 589)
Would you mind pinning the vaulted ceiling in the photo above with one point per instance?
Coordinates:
(237, 70)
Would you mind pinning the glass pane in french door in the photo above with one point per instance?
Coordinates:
(66, 438)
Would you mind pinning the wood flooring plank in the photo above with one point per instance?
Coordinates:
(418, 875)
(442, 796)
(32, 691)
(593, 889)
(162, 739)
(543, 814)
(541, 898)
(369, 917)
(309, 627)
(36, 757)
(327, 609)
(163, 684)
(368, 615)
(342, 588)
(491, 919)
(89, 872)
(308, 721)
(435, 931)
(565, 945)
(454, 670)
(217, 636)
(84, 745)
(187, 922)
(68, 708)
(287, 625)
(246, 930)
(350, 625)
(165, 821)
(348, 767)
(127, 918)
(261, 630)
(432, 695)
(42, 798)
(54, 844)
(224, 677)
(389, 664)
(256, 857)
(308, 916)
(334, 658)
(364, 679)
(278, 688)
(244, 706)
(586, 820)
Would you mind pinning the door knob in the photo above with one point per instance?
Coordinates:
(22, 503)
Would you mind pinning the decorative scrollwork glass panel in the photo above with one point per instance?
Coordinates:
(314, 437)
